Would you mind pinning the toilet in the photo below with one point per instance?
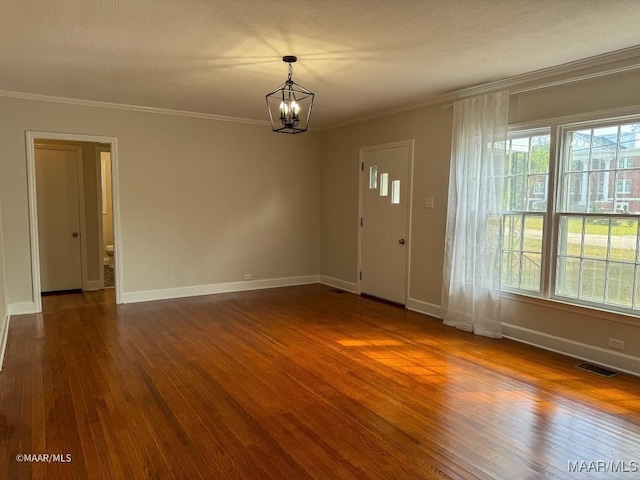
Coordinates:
(109, 251)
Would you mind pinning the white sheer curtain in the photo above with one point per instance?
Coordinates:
(471, 283)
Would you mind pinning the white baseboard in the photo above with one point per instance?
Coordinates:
(193, 291)
(582, 351)
(3, 339)
(424, 307)
(22, 308)
(92, 285)
(337, 283)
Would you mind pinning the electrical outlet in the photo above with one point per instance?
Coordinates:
(248, 276)
(617, 344)
(428, 202)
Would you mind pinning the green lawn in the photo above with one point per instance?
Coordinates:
(620, 227)
(620, 262)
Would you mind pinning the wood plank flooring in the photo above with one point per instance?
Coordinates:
(297, 383)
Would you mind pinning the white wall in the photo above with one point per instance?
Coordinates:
(577, 331)
(202, 202)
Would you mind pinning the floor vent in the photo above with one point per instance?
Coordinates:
(605, 372)
(337, 290)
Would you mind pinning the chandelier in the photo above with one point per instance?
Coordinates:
(290, 104)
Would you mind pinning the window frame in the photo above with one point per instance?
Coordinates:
(539, 191)
(515, 132)
(624, 182)
(625, 163)
(558, 129)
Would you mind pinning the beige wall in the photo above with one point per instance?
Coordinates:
(205, 202)
(430, 127)
(604, 93)
(577, 331)
(4, 311)
(202, 202)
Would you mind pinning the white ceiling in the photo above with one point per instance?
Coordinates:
(358, 56)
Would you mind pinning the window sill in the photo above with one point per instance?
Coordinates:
(602, 314)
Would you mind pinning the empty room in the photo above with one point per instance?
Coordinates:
(319, 240)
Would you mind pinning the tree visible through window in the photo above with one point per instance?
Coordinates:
(525, 205)
(593, 209)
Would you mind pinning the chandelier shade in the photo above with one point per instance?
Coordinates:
(290, 104)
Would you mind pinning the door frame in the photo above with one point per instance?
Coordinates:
(371, 148)
(31, 137)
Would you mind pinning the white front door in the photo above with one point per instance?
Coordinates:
(385, 214)
(58, 206)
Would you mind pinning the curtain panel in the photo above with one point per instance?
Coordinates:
(473, 248)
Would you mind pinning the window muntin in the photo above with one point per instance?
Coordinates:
(623, 185)
(525, 205)
(625, 163)
(598, 166)
(597, 259)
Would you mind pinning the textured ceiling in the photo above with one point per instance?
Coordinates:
(358, 56)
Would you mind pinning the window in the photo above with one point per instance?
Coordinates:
(373, 178)
(395, 192)
(384, 184)
(597, 260)
(625, 163)
(525, 215)
(622, 207)
(538, 188)
(623, 186)
(595, 216)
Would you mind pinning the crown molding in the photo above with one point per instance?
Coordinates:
(619, 61)
(611, 63)
(134, 108)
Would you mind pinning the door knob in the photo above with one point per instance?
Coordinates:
(74, 234)
(401, 241)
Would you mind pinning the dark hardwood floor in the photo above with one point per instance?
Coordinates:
(297, 383)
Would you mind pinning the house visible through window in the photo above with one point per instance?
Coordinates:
(594, 213)
(527, 163)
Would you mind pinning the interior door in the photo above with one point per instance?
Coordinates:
(58, 206)
(385, 207)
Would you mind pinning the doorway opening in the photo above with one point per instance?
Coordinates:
(73, 205)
